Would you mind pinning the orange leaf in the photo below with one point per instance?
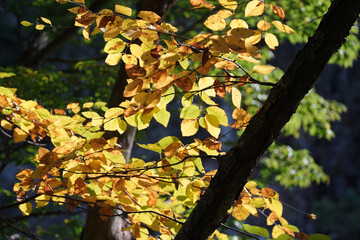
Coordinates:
(263, 25)
(153, 196)
(278, 11)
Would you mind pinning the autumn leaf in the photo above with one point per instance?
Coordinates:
(262, 69)
(149, 16)
(271, 40)
(123, 10)
(260, 231)
(283, 27)
(189, 127)
(254, 8)
(19, 135)
(39, 27)
(236, 97)
(215, 23)
(277, 10)
(26, 23)
(25, 208)
(263, 25)
(230, 4)
(45, 20)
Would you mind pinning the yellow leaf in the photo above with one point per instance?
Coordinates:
(26, 23)
(238, 23)
(250, 184)
(26, 208)
(263, 69)
(111, 125)
(149, 16)
(113, 112)
(79, 1)
(205, 84)
(162, 117)
(123, 10)
(6, 124)
(219, 113)
(121, 127)
(212, 125)
(215, 23)
(115, 45)
(113, 58)
(229, 4)
(19, 135)
(39, 27)
(97, 121)
(6, 75)
(129, 59)
(90, 114)
(254, 8)
(45, 20)
(254, 39)
(224, 14)
(271, 40)
(88, 105)
(184, 63)
(240, 213)
(277, 207)
(170, 57)
(283, 27)
(236, 97)
(114, 157)
(62, 1)
(86, 33)
(189, 127)
(277, 231)
(136, 50)
(42, 201)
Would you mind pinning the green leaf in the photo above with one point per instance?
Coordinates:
(319, 236)
(190, 112)
(256, 230)
(93, 188)
(26, 23)
(6, 75)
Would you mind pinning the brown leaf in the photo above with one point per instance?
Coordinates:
(184, 83)
(79, 186)
(134, 71)
(267, 192)
(278, 11)
(170, 150)
(212, 143)
(219, 88)
(243, 80)
(153, 196)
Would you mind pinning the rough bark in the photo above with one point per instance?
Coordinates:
(266, 125)
(95, 228)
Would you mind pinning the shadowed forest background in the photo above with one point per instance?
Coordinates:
(314, 164)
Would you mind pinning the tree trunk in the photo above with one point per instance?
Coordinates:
(266, 125)
(95, 228)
